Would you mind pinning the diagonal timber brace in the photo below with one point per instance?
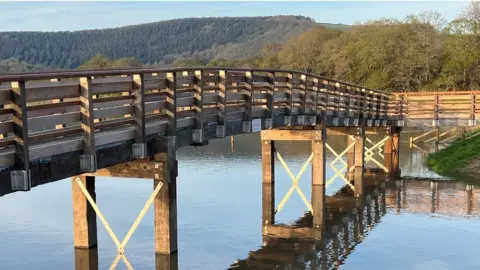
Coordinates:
(294, 183)
(120, 245)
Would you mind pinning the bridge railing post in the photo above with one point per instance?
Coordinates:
(171, 89)
(270, 100)
(247, 121)
(20, 177)
(472, 121)
(315, 111)
(198, 132)
(223, 83)
(88, 162)
(139, 147)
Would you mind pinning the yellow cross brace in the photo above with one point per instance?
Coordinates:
(294, 183)
(339, 157)
(120, 246)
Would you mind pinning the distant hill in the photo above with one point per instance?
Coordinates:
(155, 43)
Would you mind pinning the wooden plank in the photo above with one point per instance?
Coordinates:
(86, 97)
(42, 122)
(153, 82)
(20, 129)
(112, 84)
(5, 94)
(291, 135)
(155, 105)
(112, 101)
(52, 90)
(50, 134)
(6, 127)
(113, 112)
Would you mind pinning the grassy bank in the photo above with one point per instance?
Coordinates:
(458, 156)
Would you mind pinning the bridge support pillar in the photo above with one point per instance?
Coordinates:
(84, 216)
(268, 182)
(166, 262)
(359, 162)
(318, 181)
(86, 259)
(165, 204)
(391, 152)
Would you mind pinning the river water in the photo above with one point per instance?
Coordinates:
(219, 217)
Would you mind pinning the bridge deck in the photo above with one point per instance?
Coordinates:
(59, 124)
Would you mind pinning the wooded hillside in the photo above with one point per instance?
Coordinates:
(154, 43)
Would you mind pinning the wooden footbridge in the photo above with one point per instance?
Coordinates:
(129, 123)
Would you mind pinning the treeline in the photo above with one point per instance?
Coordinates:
(153, 43)
(421, 52)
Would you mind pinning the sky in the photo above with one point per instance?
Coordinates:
(71, 16)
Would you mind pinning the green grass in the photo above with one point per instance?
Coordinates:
(456, 156)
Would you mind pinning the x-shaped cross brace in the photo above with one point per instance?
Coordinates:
(369, 154)
(120, 245)
(294, 183)
(339, 157)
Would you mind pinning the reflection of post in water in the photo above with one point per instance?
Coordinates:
(86, 258)
(166, 261)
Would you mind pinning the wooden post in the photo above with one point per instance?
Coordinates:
(20, 127)
(139, 107)
(248, 96)
(84, 217)
(318, 181)
(388, 153)
(268, 183)
(270, 94)
(86, 99)
(171, 84)
(359, 160)
(166, 262)
(165, 210)
(350, 153)
(289, 96)
(316, 90)
(396, 152)
(303, 97)
(86, 259)
(222, 96)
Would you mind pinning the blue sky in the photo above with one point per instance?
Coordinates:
(62, 16)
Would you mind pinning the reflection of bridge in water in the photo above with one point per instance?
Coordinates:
(349, 220)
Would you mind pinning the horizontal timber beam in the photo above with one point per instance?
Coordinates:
(291, 135)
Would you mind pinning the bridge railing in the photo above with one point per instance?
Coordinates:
(51, 113)
(441, 108)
